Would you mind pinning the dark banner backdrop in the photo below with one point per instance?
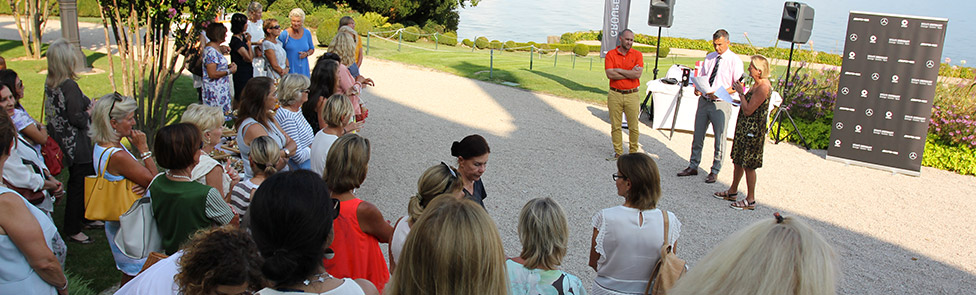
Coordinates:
(615, 19)
(886, 90)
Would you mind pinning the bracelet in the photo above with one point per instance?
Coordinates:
(287, 153)
(65, 287)
(146, 155)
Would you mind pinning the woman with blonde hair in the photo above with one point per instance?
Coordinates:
(436, 181)
(360, 227)
(337, 119)
(631, 235)
(544, 233)
(471, 261)
(750, 134)
(210, 121)
(68, 121)
(113, 118)
(264, 159)
(292, 93)
(780, 255)
(344, 46)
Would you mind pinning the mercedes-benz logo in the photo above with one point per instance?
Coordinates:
(913, 155)
(853, 37)
(869, 112)
(845, 90)
(840, 125)
(930, 64)
(875, 76)
(884, 21)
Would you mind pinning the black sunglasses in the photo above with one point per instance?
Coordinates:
(335, 208)
(618, 176)
(274, 27)
(450, 182)
(116, 97)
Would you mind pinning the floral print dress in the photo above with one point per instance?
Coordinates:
(216, 92)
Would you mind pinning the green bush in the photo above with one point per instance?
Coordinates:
(363, 26)
(375, 19)
(433, 27)
(495, 44)
(572, 37)
(945, 155)
(449, 39)
(816, 132)
(581, 49)
(481, 43)
(509, 45)
(282, 7)
(411, 34)
(467, 42)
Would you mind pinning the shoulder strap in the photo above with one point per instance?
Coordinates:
(101, 172)
(657, 266)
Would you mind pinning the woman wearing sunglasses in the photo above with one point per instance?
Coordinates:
(631, 234)
(437, 180)
(277, 58)
(113, 118)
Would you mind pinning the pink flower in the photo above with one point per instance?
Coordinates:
(947, 60)
(172, 12)
(182, 1)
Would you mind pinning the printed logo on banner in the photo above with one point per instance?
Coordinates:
(864, 93)
(888, 115)
(869, 112)
(874, 39)
(845, 90)
(930, 64)
(884, 21)
(904, 23)
(894, 79)
(840, 125)
(851, 55)
(857, 129)
(854, 37)
(875, 76)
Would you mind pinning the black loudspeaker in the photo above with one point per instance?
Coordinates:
(662, 12)
(797, 23)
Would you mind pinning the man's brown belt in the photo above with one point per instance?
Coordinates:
(628, 91)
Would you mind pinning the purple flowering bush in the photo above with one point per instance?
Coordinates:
(809, 96)
(954, 113)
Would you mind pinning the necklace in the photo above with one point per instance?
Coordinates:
(178, 176)
(318, 278)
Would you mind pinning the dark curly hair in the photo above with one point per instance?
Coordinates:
(219, 256)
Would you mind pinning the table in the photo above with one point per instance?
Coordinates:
(664, 99)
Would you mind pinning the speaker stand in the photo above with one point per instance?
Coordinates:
(643, 105)
(780, 110)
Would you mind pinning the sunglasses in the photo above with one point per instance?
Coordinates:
(116, 97)
(335, 208)
(450, 181)
(274, 27)
(618, 176)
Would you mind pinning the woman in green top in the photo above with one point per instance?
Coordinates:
(182, 206)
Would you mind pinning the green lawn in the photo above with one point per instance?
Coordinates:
(92, 262)
(562, 75)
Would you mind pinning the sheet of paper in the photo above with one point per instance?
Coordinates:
(701, 84)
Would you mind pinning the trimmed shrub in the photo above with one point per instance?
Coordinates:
(496, 45)
(509, 45)
(411, 34)
(467, 42)
(942, 154)
(432, 27)
(282, 7)
(581, 49)
(481, 43)
(449, 39)
(363, 26)
(375, 19)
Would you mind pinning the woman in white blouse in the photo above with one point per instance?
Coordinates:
(274, 54)
(627, 239)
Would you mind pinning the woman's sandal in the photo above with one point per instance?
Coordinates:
(743, 205)
(725, 195)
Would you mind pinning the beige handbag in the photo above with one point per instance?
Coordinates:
(668, 269)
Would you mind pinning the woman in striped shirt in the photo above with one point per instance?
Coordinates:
(292, 93)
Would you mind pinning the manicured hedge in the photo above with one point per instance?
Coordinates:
(449, 38)
(467, 42)
(581, 49)
(411, 34)
(481, 43)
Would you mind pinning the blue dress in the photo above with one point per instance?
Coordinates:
(293, 47)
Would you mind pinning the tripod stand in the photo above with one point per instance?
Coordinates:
(643, 105)
(780, 111)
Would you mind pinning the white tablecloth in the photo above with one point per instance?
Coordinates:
(664, 98)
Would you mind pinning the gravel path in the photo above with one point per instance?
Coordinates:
(895, 234)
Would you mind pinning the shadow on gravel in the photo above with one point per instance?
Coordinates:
(559, 153)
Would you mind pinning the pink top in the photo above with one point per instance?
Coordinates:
(346, 82)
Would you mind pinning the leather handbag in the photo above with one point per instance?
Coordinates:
(668, 269)
(104, 199)
(138, 234)
(53, 158)
(33, 197)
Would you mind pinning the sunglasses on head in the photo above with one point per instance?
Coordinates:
(116, 97)
(450, 181)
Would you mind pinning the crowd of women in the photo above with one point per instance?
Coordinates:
(292, 220)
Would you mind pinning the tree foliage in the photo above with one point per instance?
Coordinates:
(416, 11)
(31, 18)
(150, 35)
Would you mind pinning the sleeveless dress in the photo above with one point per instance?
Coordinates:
(357, 254)
(348, 287)
(750, 135)
(16, 275)
(125, 264)
(522, 280)
(273, 132)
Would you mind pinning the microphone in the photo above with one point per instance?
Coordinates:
(743, 77)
